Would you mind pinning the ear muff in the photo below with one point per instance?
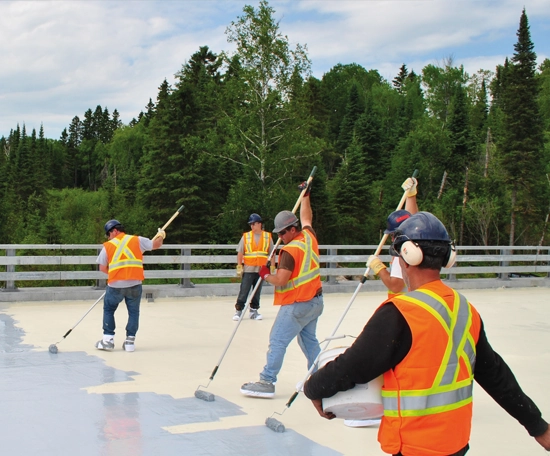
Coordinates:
(452, 257)
(411, 253)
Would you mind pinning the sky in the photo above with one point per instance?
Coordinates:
(60, 58)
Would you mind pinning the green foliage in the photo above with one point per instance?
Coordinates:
(238, 131)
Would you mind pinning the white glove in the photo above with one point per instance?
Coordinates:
(375, 264)
(239, 270)
(410, 186)
(161, 233)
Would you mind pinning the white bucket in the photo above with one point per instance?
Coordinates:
(362, 402)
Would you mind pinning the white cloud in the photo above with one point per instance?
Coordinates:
(60, 58)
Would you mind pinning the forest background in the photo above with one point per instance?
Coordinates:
(239, 131)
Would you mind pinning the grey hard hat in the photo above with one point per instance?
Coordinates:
(283, 220)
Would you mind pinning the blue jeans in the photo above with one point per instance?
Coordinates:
(113, 297)
(248, 283)
(298, 319)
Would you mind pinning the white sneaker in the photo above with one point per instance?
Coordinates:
(362, 423)
(129, 343)
(237, 315)
(105, 344)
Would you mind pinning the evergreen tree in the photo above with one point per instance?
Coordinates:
(522, 143)
(399, 81)
(354, 108)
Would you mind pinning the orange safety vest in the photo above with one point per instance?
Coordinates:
(305, 279)
(125, 258)
(256, 254)
(427, 397)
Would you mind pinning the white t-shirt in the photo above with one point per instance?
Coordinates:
(395, 268)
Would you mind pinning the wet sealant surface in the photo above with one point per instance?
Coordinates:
(46, 410)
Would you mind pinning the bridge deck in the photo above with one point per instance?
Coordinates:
(89, 402)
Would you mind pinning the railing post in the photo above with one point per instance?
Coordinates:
(186, 282)
(548, 273)
(10, 284)
(504, 275)
(100, 284)
(331, 279)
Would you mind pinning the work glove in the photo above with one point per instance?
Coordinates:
(375, 264)
(161, 233)
(264, 272)
(239, 270)
(305, 185)
(272, 269)
(410, 186)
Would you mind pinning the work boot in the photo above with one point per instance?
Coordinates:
(259, 389)
(254, 315)
(237, 315)
(128, 344)
(105, 344)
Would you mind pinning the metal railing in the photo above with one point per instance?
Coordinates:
(185, 263)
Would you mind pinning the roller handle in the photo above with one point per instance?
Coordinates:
(214, 372)
(178, 212)
(291, 400)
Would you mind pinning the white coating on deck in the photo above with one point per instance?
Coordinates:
(89, 402)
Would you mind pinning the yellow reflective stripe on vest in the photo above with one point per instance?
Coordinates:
(249, 243)
(130, 260)
(422, 403)
(446, 392)
(306, 273)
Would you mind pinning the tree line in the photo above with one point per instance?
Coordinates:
(237, 132)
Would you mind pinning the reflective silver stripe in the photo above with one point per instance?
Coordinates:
(446, 392)
(457, 326)
(306, 274)
(122, 248)
(425, 400)
(436, 305)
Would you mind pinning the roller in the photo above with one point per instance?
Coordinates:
(204, 395)
(274, 424)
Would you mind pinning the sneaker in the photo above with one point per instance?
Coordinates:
(362, 423)
(254, 315)
(103, 344)
(237, 315)
(128, 344)
(259, 389)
